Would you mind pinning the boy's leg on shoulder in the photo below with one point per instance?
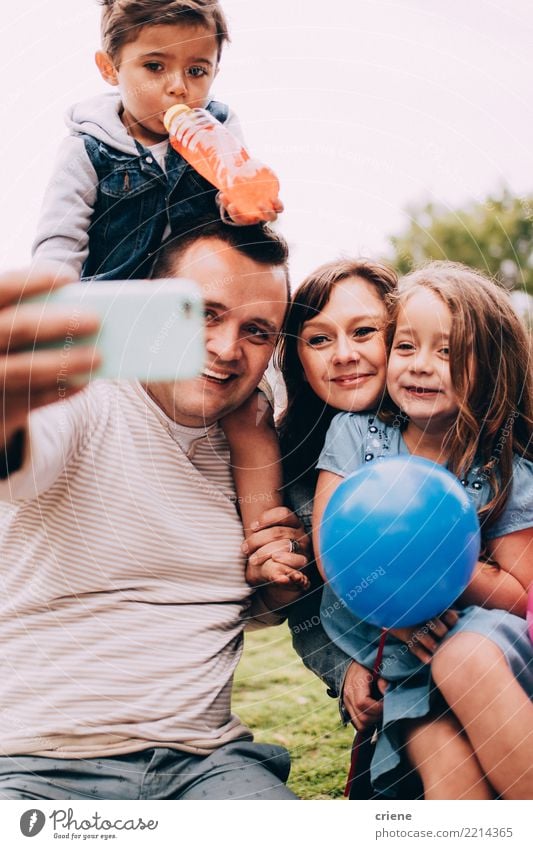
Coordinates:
(240, 771)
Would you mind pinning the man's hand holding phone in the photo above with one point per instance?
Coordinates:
(56, 334)
(28, 373)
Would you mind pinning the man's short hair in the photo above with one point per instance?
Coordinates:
(259, 243)
(123, 19)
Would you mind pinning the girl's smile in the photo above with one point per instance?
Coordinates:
(418, 377)
(422, 391)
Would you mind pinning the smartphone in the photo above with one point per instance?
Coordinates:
(152, 330)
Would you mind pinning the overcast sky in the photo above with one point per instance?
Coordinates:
(361, 107)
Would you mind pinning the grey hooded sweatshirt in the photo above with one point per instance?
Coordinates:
(69, 200)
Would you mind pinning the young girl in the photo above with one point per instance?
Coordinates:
(459, 376)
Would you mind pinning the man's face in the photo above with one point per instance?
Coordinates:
(245, 303)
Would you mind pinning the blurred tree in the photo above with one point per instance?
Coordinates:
(495, 236)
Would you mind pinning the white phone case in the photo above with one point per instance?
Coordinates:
(152, 330)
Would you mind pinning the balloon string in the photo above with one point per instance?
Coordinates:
(365, 736)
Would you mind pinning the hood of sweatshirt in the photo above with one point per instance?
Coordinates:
(99, 117)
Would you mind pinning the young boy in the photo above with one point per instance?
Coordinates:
(119, 189)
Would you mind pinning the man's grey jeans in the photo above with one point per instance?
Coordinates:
(239, 770)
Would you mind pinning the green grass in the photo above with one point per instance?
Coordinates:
(282, 702)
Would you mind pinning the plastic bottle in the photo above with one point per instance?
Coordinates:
(222, 159)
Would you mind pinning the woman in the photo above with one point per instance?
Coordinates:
(335, 326)
(334, 329)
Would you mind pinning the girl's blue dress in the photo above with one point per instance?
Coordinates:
(353, 440)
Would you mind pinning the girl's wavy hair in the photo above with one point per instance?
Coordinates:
(306, 419)
(123, 19)
(490, 369)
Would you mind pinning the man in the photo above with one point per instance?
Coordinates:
(124, 598)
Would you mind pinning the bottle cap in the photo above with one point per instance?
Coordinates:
(173, 112)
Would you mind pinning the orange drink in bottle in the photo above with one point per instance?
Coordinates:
(222, 159)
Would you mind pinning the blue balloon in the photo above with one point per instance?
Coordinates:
(399, 540)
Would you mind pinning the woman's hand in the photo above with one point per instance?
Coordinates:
(365, 711)
(423, 640)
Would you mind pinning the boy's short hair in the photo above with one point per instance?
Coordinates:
(122, 19)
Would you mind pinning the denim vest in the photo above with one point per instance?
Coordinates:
(135, 202)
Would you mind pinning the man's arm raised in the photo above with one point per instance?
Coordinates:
(31, 377)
